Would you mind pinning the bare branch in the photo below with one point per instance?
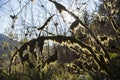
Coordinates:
(46, 23)
(4, 3)
(59, 6)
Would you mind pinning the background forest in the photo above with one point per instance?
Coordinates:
(60, 40)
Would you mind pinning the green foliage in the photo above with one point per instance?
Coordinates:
(59, 73)
(113, 55)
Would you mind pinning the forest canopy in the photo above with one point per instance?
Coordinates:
(76, 38)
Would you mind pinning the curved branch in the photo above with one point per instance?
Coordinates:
(77, 18)
(60, 39)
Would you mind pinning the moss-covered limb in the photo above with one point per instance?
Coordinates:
(61, 7)
(65, 39)
(98, 42)
(110, 18)
(114, 25)
(20, 51)
(59, 39)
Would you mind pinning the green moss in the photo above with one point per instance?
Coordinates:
(113, 55)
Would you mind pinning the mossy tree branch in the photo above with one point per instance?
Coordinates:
(61, 7)
(59, 39)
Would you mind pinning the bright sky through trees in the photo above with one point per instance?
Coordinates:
(36, 12)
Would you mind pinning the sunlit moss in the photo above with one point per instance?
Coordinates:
(113, 55)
